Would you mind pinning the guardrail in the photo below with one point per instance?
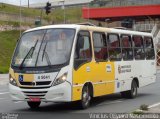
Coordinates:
(143, 27)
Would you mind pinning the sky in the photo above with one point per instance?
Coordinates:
(24, 2)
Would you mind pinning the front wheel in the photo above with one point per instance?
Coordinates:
(85, 98)
(33, 105)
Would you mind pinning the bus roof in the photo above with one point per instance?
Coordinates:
(92, 28)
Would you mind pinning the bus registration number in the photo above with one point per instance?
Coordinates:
(44, 77)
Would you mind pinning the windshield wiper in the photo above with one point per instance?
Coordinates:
(29, 54)
(47, 58)
(46, 55)
(44, 50)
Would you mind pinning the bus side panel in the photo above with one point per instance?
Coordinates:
(126, 71)
(103, 78)
(101, 75)
(123, 75)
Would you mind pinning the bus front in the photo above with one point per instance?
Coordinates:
(40, 69)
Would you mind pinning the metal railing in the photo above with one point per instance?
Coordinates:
(156, 37)
(116, 3)
(143, 27)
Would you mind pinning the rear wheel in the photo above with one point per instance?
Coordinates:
(33, 105)
(85, 98)
(131, 93)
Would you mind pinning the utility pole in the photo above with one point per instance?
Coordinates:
(64, 12)
(88, 10)
(28, 3)
(20, 18)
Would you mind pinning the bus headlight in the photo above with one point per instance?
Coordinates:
(60, 80)
(12, 81)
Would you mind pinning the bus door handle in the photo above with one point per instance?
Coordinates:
(88, 69)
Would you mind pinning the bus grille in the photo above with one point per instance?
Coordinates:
(37, 83)
(35, 93)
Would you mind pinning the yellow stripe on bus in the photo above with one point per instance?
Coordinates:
(103, 81)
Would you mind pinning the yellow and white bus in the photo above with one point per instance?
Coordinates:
(65, 63)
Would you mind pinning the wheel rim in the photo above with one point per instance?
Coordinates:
(86, 96)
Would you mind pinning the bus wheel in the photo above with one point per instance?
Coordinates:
(33, 105)
(86, 97)
(131, 93)
(134, 90)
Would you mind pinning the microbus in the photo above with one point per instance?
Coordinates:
(66, 63)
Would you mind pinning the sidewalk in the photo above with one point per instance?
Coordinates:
(4, 79)
(155, 108)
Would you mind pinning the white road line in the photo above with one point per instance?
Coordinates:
(18, 102)
(112, 102)
(2, 98)
(4, 93)
(154, 105)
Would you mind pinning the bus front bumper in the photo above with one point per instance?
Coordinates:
(58, 93)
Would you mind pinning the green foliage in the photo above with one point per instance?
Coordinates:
(138, 112)
(73, 14)
(144, 107)
(8, 42)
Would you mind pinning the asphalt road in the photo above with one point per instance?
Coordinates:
(107, 104)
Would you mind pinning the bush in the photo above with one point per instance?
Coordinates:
(144, 107)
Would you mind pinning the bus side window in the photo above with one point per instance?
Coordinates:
(83, 51)
(138, 47)
(149, 49)
(114, 47)
(127, 51)
(100, 46)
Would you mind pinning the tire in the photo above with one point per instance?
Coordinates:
(33, 105)
(85, 98)
(131, 93)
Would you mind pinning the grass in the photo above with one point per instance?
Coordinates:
(30, 12)
(144, 107)
(73, 14)
(8, 41)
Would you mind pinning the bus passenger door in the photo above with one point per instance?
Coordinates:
(82, 62)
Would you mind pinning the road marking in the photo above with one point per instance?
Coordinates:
(2, 98)
(154, 105)
(4, 93)
(18, 102)
(112, 102)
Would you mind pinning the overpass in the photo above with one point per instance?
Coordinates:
(120, 13)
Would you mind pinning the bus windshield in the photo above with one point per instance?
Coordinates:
(46, 47)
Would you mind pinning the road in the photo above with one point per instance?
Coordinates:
(108, 104)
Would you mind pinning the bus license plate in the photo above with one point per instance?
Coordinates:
(32, 99)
